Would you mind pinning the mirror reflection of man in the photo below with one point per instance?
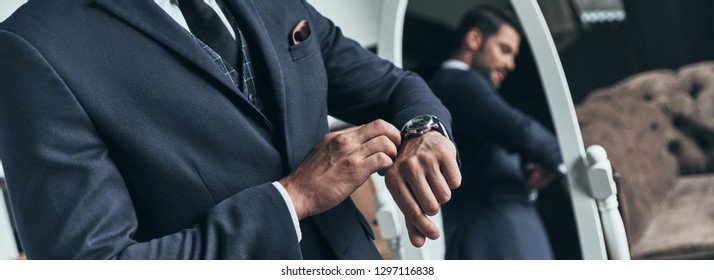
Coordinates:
(506, 155)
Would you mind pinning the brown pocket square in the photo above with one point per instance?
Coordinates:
(300, 33)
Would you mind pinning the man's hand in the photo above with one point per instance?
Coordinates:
(538, 176)
(340, 163)
(421, 179)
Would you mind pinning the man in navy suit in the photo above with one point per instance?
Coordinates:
(129, 132)
(493, 215)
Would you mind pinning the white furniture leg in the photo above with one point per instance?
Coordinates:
(605, 192)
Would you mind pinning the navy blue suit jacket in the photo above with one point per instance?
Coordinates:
(122, 139)
(493, 138)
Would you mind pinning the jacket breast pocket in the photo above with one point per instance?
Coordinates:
(305, 48)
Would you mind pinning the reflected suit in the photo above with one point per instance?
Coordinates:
(491, 216)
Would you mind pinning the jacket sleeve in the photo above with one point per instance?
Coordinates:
(71, 201)
(363, 87)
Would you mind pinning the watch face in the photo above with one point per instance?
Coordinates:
(420, 122)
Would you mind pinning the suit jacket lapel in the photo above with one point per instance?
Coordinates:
(151, 20)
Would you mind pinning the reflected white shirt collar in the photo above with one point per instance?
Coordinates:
(455, 64)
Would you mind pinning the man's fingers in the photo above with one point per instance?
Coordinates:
(439, 187)
(539, 176)
(417, 233)
(413, 214)
(415, 237)
(423, 194)
(380, 144)
(404, 198)
(376, 128)
(451, 172)
(377, 162)
(426, 227)
(375, 137)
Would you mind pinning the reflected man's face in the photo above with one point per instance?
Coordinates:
(496, 56)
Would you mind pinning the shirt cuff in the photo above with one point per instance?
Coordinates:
(562, 169)
(291, 208)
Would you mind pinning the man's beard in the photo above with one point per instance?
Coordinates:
(488, 72)
(489, 75)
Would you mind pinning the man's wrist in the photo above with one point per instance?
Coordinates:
(424, 124)
(295, 197)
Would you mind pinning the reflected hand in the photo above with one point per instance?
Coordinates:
(538, 176)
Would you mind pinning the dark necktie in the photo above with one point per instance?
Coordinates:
(203, 22)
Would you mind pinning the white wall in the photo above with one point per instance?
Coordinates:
(339, 11)
(9, 6)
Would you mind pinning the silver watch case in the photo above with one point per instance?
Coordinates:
(422, 124)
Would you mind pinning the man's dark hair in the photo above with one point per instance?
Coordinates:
(488, 19)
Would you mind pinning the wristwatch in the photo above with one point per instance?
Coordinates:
(423, 124)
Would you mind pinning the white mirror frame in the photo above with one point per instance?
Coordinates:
(587, 218)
